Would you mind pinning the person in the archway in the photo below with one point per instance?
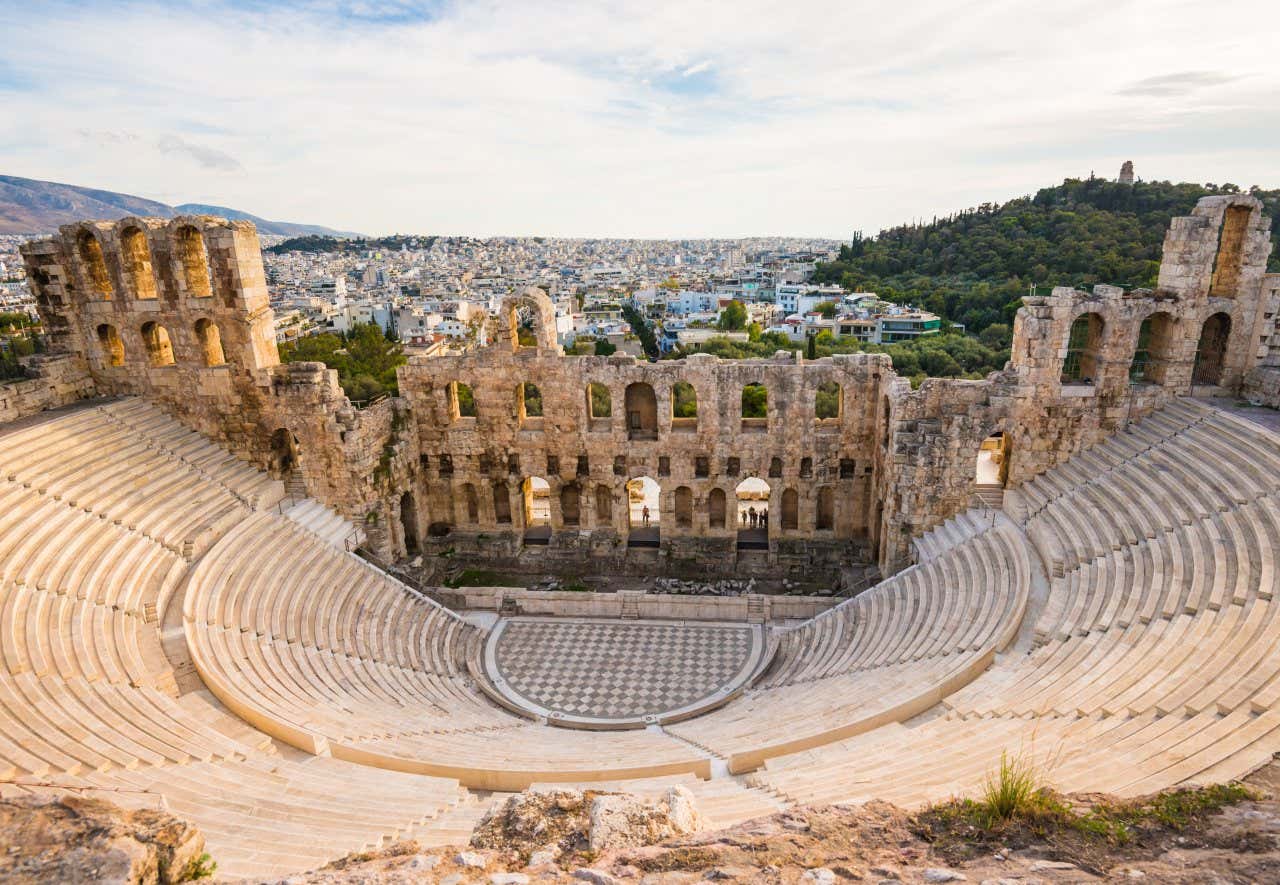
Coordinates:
(644, 515)
(755, 517)
(764, 518)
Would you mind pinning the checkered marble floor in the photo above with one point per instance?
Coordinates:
(619, 670)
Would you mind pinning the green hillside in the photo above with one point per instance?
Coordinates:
(973, 267)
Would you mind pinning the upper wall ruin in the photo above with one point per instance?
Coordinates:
(177, 310)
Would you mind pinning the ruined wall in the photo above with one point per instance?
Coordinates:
(54, 380)
(888, 465)
(176, 310)
(464, 459)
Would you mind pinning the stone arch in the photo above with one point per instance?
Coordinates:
(1211, 350)
(471, 503)
(790, 510)
(542, 316)
(159, 347)
(112, 346)
(1153, 349)
(827, 401)
(642, 492)
(716, 508)
(683, 500)
(775, 467)
(642, 411)
(825, 516)
(193, 257)
(95, 264)
(684, 405)
(136, 255)
(571, 504)
(284, 456)
(1084, 348)
(501, 503)
(604, 505)
(599, 400)
(409, 523)
(210, 340)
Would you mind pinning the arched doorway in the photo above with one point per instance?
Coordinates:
(716, 509)
(537, 510)
(643, 512)
(570, 504)
(684, 507)
(501, 503)
(1211, 352)
(790, 510)
(409, 523)
(825, 518)
(752, 513)
(642, 411)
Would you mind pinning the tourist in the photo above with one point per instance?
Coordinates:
(644, 515)
(754, 516)
(764, 518)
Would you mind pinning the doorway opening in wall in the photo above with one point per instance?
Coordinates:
(409, 523)
(643, 516)
(991, 474)
(284, 461)
(1211, 352)
(537, 510)
(752, 516)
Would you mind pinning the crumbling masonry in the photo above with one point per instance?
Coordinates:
(177, 311)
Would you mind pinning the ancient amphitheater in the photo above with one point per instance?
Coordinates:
(184, 622)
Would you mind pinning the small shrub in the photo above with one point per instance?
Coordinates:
(202, 867)
(1012, 789)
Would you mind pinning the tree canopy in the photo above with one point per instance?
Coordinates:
(365, 357)
(974, 267)
(733, 318)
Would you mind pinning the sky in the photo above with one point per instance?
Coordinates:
(622, 119)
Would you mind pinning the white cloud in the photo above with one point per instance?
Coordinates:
(696, 118)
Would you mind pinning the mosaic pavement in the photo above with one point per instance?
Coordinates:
(618, 671)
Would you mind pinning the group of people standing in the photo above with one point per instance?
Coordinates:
(751, 518)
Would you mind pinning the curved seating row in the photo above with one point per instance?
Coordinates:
(88, 698)
(317, 648)
(1157, 654)
(889, 653)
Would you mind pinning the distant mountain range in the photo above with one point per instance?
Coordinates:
(28, 206)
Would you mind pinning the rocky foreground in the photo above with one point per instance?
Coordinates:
(1213, 835)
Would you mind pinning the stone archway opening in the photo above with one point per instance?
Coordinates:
(643, 512)
(1211, 352)
(283, 459)
(752, 513)
(992, 468)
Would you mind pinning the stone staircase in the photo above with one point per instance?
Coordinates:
(990, 495)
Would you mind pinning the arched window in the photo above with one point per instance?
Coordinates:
(159, 348)
(599, 402)
(570, 504)
(1211, 352)
(684, 405)
(684, 507)
(755, 404)
(501, 503)
(95, 266)
(472, 504)
(642, 412)
(530, 401)
(604, 505)
(137, 263)
(790, 510)
(409, 522)
(716, 508)
(775, 468)
(1084, 344)
(210, 342)
(195, 262)
(112, 346)
(826, 402)
(826, 516)
(462, 402)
